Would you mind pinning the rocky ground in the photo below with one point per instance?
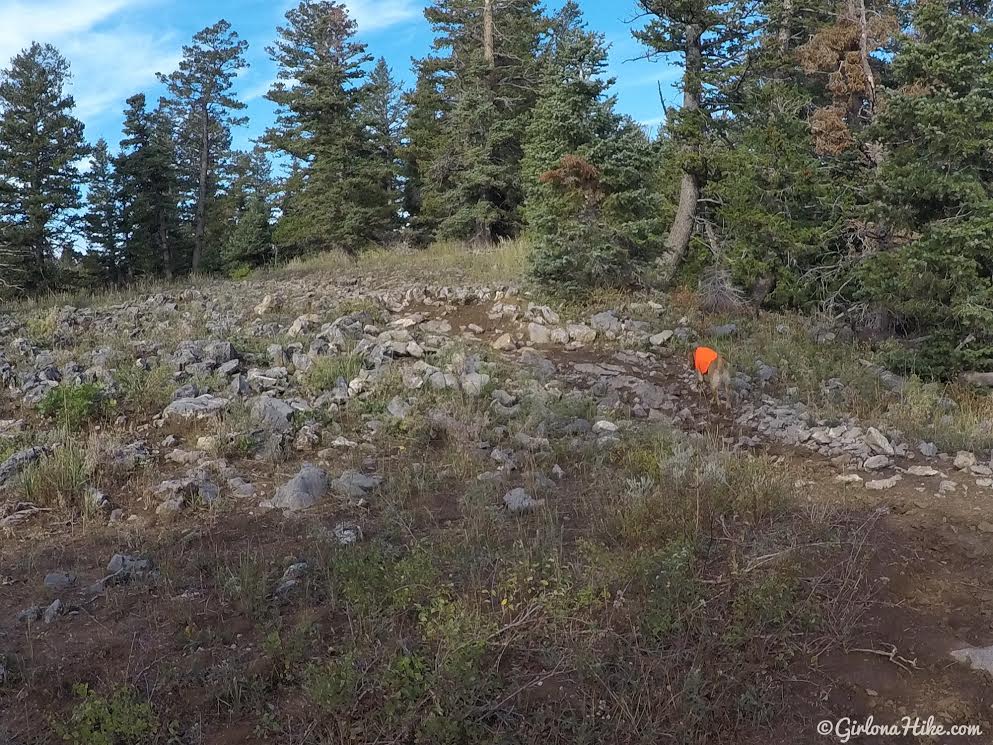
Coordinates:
(380, 508)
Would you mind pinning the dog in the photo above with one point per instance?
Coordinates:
(711, 367)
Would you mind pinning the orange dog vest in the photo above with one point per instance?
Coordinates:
(703, 358)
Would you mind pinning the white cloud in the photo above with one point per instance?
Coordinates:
(375, 15)
(110, 57)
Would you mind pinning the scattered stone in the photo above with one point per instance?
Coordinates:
(124, 568)
(978, 658)
(883, 484)
(241, 488)
(59, 581)
(661, 338)
(878, 442)
(581, 333)
(355, 485)
(301, 492)
(30, 615)
(347, 533)
(923, 471)
(19, 461)
(292, 577)
(848, 478)
(52, 612)
(604, 427)
(274, 413)
(518, 501)
(964, 460)
(607, 322)
(199, 407)
(504, 343)
(876, 462)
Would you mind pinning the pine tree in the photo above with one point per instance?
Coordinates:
(588, 172)
(934, 197)
(248, 230)
(383, 112)
(424, 141)
(40, 144)
(338, 199)
(712, 39)
(149, 192)
(201, 99)
(482, 85)
(102, 221)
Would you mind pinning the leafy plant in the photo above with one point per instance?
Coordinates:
(74, 405)
(118, 719)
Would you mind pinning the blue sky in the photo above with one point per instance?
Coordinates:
(115, 48)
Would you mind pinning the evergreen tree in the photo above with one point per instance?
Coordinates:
(201, 99)
(932, 266)
(383, 111)
(712, 39)
(40, 144)
(339, 197)
(102, 221)
(424, 141)
(483, 84)
(588, 172)
(248, 232)
(149, 193)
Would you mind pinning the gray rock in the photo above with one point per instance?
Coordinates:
(504, 343)
(355, 485)
(30, 615)
(607, 322)
(291, 578)
(964, 460)
(347, 533)
(19, 461)
(52, 612)
(124, 568)
(303, 491)
(923, 471)
(883, 484)
(978, 658)
(878, 442)
(200, 407)
(581, 333)
(59, 580)
(241, 488)
(274, 413)
(474, 383)
(518, 501)
(398, 408)
(539, 334)
(661, 338)
(876, 462)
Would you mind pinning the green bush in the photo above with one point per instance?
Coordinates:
(74, 405)
(119, 719)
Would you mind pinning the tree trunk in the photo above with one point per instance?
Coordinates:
(488, 51)
(683, 223)
(200, 230)
(164, 246)
(870, 83)
(785, 32)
